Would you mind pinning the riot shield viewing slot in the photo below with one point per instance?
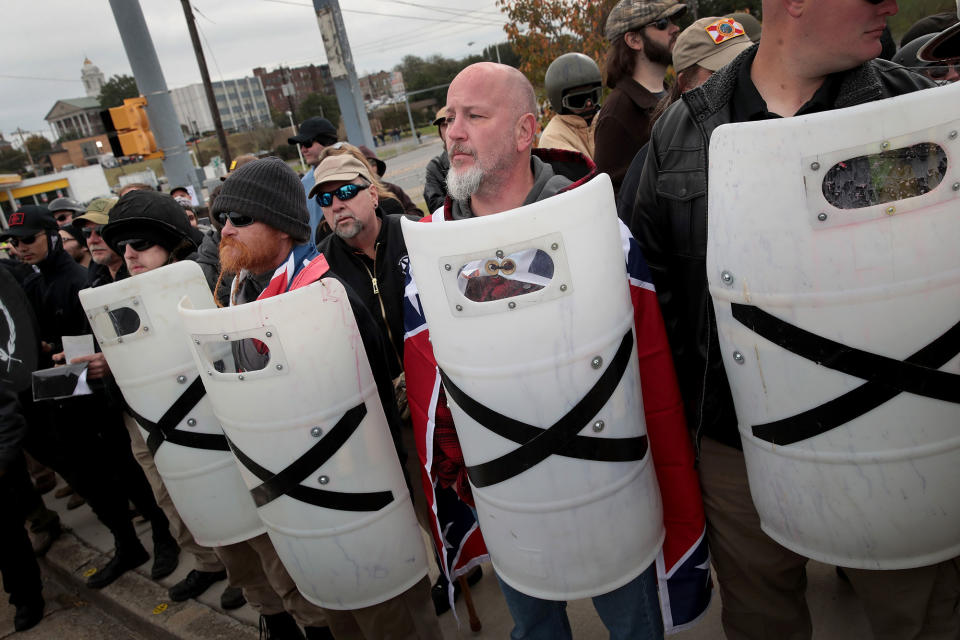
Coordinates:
(507, 277)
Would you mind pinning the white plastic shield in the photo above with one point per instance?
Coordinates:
(834, 267)
(532, 326)
(312, 442)
(136, 323)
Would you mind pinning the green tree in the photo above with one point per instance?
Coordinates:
(12, 161)
(37, 144)
(71, 134)
(319, 104)
(116, 90)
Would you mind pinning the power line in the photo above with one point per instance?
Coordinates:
(434, 7)
(397, 15)
(10, 77)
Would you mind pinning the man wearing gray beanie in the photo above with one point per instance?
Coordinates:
(265, 240)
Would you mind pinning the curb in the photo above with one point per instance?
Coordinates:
(136, 601)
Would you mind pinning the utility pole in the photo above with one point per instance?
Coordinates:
(149, 76)
(344, 74)
(207, 87)
(23, 143)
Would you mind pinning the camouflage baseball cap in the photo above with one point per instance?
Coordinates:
(629, 15)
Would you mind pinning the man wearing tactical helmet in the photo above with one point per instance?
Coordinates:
(574, 86)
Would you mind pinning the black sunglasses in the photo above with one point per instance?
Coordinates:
(135, 243)
(309, 143)
(344, 193)
(16, 242)
(236, 219)
(61, 217)
(661, 24)
(88, 230)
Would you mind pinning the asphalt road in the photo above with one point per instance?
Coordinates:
(409, 169)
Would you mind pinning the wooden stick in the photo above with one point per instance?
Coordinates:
(475, 624)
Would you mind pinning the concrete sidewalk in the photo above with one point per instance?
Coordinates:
(141, 604)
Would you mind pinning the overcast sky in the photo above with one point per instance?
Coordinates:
(44, 42)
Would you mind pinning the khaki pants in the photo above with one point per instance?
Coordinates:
(254, 566)
(409, 616)
(762, 584)
(204, 559)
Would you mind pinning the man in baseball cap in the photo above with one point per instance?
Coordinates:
(641, 35)
(107, 266)
(435, 187)
(31, 228)
(315, 135)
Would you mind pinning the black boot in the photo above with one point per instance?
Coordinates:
(28, 614)
(232, 598)
(166, 556)
(194, 584)
(279, 626)
(319, 633)
(126, 557)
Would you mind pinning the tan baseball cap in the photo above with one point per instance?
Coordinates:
(629, 15)
(98, 211)
(339, 168)
(710, 43)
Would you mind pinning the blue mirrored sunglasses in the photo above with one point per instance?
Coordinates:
(344, 193)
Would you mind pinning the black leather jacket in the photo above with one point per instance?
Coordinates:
(669, 220)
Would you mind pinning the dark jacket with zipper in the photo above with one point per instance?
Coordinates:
(669, 220)
(379, 282)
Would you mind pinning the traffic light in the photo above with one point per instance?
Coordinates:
(128, 128)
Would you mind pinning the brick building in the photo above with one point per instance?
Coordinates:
(286, 87)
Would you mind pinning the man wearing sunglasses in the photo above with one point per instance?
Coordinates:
(265, 240)
(106, 266)
(63, 210)
(574, 86)
(815, 56)
(641, 35)
(314, 134)
(75, 436)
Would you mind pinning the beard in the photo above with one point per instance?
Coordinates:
(463, 184)
(235, 256)
(656, 52)
(349, 230)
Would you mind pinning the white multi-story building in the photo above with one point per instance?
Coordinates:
(242, 104)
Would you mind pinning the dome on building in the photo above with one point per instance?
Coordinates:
(93, 79)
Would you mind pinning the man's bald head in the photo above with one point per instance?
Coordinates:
(508, 84)
(491, 127)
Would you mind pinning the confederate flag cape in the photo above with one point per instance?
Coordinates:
(683, 565)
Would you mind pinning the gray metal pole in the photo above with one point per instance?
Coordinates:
(413, 130)
(149, 76)
(344, 74)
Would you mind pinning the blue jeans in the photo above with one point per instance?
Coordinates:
(631, 612)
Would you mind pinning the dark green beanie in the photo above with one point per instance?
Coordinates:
(269, 191)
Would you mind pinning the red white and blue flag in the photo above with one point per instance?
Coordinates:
(683, 565)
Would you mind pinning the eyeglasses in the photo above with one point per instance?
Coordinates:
(579, 99)
(344, 193)
(309, 143)
(136, 244)
(62, 217)
(236, 219)
(91, 228)
(16, 242)
(663, 23)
